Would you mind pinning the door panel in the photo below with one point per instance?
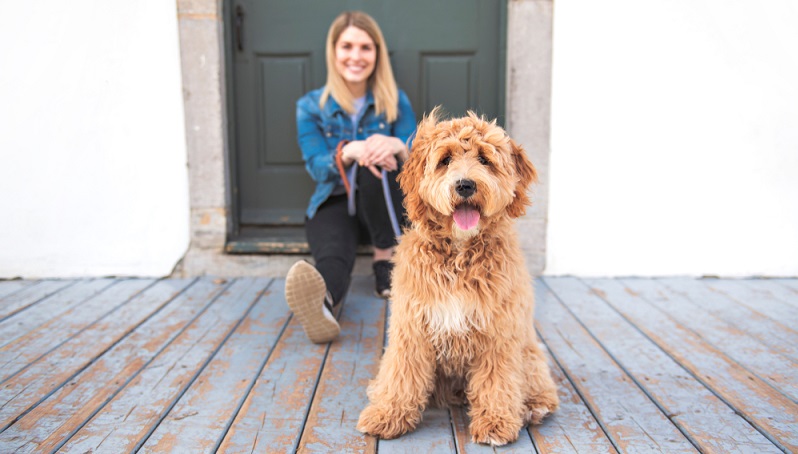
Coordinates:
(444, 52)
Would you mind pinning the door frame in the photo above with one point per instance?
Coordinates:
(202, 36)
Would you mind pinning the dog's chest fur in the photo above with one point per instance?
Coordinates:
(452, 326)
(449, 317)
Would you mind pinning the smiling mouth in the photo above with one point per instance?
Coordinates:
(466, 216)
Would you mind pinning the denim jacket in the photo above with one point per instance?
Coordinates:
(320, 130)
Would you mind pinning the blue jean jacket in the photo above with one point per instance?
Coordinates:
(320, 130)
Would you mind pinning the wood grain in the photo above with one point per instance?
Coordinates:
(779, 371)
(274, 412)
(572, 428)
(8, 288)
(629, 417)
(199, 420)
(184, 365)
(776, 335)
(683, 398)
(774, 415)
(51, 307)
(352, 361)
(59, 367)
(27, 348)
(31, 295)
(763, 302)
(56, 418)
(147, 398)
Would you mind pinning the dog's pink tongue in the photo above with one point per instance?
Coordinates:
(466, 217)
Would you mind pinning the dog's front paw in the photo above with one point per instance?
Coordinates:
(387, 422)
(494, 431)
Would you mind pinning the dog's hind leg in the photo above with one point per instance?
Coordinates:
(540, 391)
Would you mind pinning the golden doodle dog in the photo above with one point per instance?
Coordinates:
(461, 328)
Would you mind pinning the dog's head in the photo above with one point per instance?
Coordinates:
(464, 172)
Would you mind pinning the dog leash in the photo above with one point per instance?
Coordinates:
(350, 184)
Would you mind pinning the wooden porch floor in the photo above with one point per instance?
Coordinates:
(644, 365)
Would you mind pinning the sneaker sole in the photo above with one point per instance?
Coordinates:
(304, 292)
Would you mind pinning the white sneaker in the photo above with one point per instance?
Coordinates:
(305, 292)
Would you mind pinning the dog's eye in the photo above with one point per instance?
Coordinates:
(445, 161)
(483, 160)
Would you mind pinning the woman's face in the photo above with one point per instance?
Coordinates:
(355, 57)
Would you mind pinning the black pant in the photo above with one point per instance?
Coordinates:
(333, 235)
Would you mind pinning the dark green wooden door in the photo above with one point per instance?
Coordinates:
(447, 52)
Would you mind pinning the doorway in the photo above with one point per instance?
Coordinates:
(444, 52)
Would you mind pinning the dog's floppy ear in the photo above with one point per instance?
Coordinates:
(413, 168)
(526, 176)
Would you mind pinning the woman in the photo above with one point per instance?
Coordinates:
(353, 133)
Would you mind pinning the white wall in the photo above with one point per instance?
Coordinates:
(93, 176)
(674, 138)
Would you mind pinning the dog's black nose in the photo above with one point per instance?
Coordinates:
(465, 188)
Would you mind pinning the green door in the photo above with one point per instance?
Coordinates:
(447, 52)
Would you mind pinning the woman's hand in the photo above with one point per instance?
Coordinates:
(383, 151)
(353, 151)
(376, 151)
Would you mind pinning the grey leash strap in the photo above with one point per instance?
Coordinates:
(386, 191)
(389, 204)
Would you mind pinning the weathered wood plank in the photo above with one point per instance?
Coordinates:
(8, 288)
(433, 434)
(199, 420)
(774, 415)
(274, 412)
(24, 350)
(789, 289)
(779, 371)
(72, 403)
(572, 428)
(50, 372)
(785, 290)
(778, 337)
(684, 399)
(629, 417)
(352, 361)
(30, 296)
(145, 400)
(761, 302)
(52, 307)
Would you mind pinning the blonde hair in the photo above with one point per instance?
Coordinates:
(381, 81)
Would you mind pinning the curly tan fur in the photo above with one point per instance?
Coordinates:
(461, 328)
